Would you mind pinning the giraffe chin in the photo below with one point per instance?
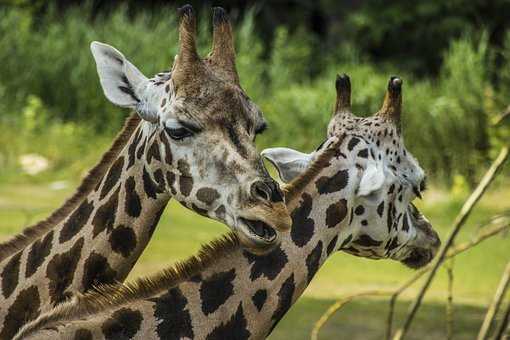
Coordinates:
(256, 236)
(418, 258)
(427, 241)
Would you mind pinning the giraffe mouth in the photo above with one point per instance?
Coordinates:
(260, 229)
(428, 244)
(418, 258)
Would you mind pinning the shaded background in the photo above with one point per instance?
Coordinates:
(454, 57)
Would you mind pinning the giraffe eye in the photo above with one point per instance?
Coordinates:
(178, 133)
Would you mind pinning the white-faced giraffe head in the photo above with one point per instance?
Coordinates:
(371, 182)
(201, 128)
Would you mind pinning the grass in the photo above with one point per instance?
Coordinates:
(365, 320)
(181, 232)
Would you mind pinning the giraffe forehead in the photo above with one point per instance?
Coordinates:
(213, 104)
(231, 112)
(376, 138)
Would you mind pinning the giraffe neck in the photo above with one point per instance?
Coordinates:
(225, 292)
(249, 294)
(99, 242)
(240, 295)
(121, 215)
(33, 232)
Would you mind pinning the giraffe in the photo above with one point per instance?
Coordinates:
(192, 138)
(225, 292)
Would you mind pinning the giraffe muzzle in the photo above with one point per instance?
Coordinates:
(260, 226)
(418, 258)
(260, 229)
(256, 236)
(427, 242)
(267, 191)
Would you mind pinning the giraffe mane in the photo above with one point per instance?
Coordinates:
(33, 232)
(298, 184)
(108, 296)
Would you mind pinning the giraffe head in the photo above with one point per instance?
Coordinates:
(372, 181)
(201, 128)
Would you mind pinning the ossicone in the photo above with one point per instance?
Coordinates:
(392, 105)
(223, 56)
(188, 65)
(343, 94)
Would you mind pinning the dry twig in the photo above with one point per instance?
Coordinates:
(497, 225)
(339, 304)
(496, 303)
(501, 118)
(504, 324)
(459, 222)
(449, 301)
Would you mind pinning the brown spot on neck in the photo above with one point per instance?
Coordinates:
(123, 240)
(109, 296)
(113, 176)
(38, 252)
(76, 221)
(10, 275)
(97, 270)
(104, 217)
(60, 272)
(25, 308)
(153, 152)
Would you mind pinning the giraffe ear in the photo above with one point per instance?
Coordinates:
(122, 82)
(372, 180)
(289, 163)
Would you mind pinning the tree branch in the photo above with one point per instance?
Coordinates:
(457, 225)
(496, 303)
(501, 118)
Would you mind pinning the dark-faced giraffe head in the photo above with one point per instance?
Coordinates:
(201, 128)
(371, 182)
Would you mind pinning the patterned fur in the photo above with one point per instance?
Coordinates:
(194, 142)
(228, 293)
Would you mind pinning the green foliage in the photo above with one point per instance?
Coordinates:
(70, 147)
(417, 33)
(291, 58)
(52, 61)
(249, 55)
(52, 100)
(500, 97)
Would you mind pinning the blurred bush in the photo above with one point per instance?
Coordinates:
(52, 103)
(417, 33)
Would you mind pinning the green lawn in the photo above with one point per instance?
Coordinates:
(366, 320)
(181, 232)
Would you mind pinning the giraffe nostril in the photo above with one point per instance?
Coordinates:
(276, 192)
(267, 191)
(261, 190)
